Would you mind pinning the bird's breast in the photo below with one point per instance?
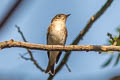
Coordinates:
(57, 35)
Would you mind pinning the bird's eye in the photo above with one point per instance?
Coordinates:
(59, 16)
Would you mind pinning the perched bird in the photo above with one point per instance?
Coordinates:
(56, 35)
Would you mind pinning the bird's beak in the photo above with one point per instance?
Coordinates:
(68, 15)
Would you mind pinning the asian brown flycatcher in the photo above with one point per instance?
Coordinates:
(56, 35)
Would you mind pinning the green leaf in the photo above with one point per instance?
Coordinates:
(117, 59)
(118, 43)
(111, 41)
(108, 61)
(115, 38)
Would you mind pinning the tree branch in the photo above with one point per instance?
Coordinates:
(10, 13)
(29, 52)
(12, 43)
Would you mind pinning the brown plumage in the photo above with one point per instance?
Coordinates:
(56, 35)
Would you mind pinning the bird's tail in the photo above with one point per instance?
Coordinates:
(50, 69)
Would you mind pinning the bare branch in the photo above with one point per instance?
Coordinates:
(68, 67)
(29, 52)
(110, 36)
(34, 61)
(10, 13)
(25, 58)
(18, 28)
(12, 43)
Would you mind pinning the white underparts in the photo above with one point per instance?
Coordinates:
(59, 25)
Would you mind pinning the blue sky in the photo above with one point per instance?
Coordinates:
(34, 17)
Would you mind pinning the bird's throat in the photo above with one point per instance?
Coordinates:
(59, 25)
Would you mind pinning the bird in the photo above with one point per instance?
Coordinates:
(56, 35)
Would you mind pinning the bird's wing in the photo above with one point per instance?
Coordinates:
(58, 57)
(47, 39)
(64, 44)
(66, 33)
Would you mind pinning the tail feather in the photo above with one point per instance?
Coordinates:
(50, 69)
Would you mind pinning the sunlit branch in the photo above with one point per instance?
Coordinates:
(12, 43)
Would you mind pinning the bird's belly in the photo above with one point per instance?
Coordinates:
(56, 37)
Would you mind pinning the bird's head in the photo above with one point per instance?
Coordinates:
(60, 17)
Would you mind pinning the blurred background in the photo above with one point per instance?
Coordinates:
(34, 17)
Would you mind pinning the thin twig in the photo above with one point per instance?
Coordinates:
(29, 51)
(10, 13)
(25, 58)
(68, 67)
(110, 36)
